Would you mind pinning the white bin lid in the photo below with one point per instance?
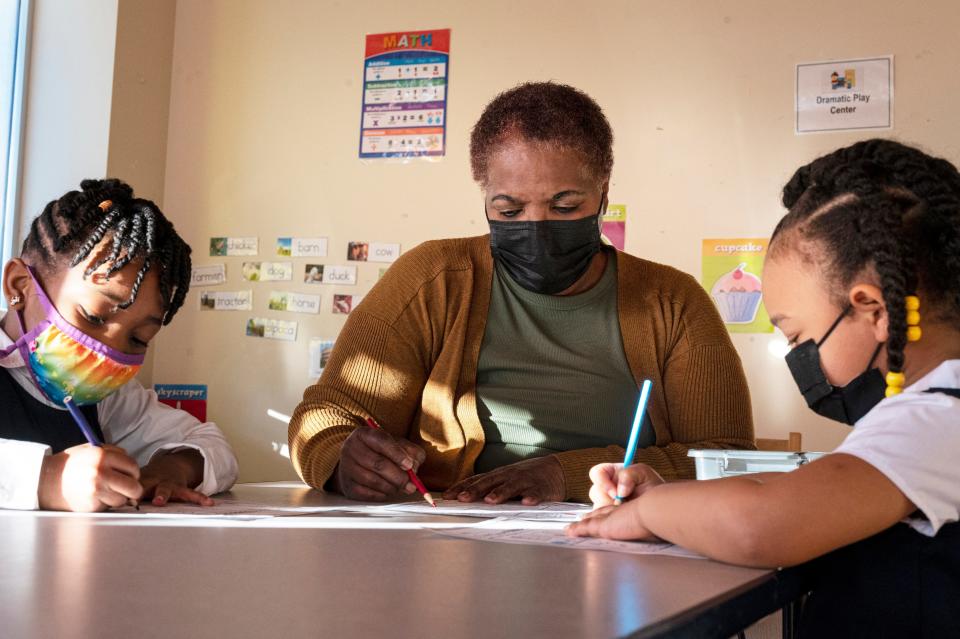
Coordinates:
(784, 455)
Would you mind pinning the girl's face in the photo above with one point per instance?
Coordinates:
(90, 304)
(801, 306)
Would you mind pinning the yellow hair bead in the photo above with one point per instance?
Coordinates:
(895, 383)
(913, 318)
(913, 303)
(914, 333)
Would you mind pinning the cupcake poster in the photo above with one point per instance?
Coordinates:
(732, 269)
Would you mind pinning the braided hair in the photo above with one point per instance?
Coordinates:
(71, 227)
(883, 206)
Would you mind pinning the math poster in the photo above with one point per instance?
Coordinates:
(404, 111)
(732, 269)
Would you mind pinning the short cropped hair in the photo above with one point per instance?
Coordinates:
(546, 112)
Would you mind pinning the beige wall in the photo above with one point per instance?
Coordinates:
(141, 95)
(141, 104)
(263, 129)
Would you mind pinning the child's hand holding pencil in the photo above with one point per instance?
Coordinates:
(611, 480)
(89, 478)
(614, 483)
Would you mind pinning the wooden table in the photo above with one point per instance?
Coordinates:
(77, 576)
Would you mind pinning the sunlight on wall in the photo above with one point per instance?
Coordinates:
(778, 347)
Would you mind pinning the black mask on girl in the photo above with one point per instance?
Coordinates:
(547, 256)
(846, 404)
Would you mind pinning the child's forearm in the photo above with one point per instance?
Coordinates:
(716, 518)
(778, 519)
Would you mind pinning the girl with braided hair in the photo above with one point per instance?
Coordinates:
(100, 273)
(863, 278)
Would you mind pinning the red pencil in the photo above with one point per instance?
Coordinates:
(413, 476)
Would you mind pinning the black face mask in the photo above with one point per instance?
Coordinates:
(846, 404)
(549, 256)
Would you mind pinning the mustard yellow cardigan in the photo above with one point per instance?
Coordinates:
(407, 356)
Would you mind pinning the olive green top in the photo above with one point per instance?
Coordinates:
(552, 374)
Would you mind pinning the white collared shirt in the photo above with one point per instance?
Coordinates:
(914, 439)
(131, 418)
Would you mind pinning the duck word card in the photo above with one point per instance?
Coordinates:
(346, 275)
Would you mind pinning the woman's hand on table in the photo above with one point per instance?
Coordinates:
(610, 480)
(373, 466)
(532, 480)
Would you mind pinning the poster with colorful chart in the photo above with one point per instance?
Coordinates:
(405, 94)
(732, 269)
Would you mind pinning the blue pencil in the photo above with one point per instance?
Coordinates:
(88, 433)
(635, 429)
(81, 421)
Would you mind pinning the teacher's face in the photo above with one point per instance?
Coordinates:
(532, 182)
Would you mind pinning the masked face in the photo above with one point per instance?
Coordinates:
(838, 375)
(544, 213)
(546, 256)
(846, 404)
(63, 360)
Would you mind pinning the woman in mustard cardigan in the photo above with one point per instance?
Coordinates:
(505, 366)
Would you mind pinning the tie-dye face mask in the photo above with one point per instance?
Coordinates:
(65, 361)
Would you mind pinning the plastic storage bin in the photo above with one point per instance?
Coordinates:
(714, 464)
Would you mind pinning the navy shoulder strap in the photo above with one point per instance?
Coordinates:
(954, 392)
(27, 419)
(898, 583)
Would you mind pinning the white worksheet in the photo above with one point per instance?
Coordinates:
(552, 534)
(548, 511)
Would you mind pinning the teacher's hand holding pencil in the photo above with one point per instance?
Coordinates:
(411, 474)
